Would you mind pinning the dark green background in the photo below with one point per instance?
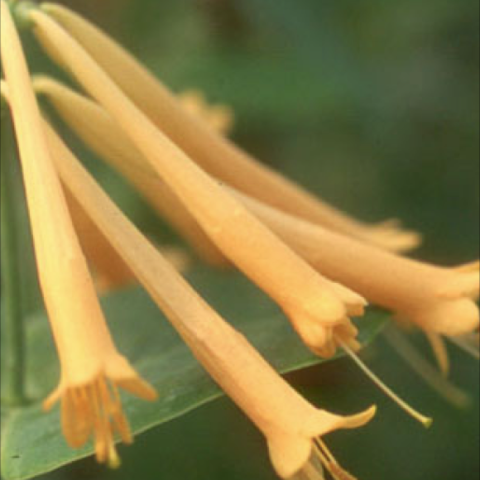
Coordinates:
(374, 105)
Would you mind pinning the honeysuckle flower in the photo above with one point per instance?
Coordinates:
(91, 367)
(98, 130)
(95, 126)
(439, 300)
(218, 117)
(212, 151)
(292, 426)
(318, 308)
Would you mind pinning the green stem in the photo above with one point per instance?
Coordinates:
(11, 307)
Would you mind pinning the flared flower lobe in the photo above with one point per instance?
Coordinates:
(291, 454)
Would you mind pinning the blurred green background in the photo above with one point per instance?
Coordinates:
(372, 104)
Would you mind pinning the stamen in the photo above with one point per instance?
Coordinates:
(440, 351)
(113, 460)
(341, 474)
(101, 426)
(105, 397)
(325, 461)
(120, 421)
(322, 445)
(312, 470)
(86, 404)
(112, 416)
(451, 393)
(468, 344)
(329, 461)
(426, 421)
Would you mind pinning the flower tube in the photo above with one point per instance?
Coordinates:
(91, 367)
(292, 426)
(319, 309)
(110, 270)
(216, 154)
(97, 129)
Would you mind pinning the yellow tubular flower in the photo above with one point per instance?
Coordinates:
(212, 151)
(72, 106)
(291, 425)
(318, 308)
(91, 367)
(97, 129)
(436, 299)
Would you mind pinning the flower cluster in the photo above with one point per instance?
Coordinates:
(317, 263)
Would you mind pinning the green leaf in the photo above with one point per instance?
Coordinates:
(32, 441)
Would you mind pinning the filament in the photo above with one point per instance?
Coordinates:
(425, 421)
(312, 470)
(102, 410)
(440, 351)
(427, 372)
(329, 461)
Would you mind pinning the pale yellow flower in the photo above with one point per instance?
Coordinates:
(98, 130)
(318, 308)
(96, 127)
(212, 151)
(292, 426)
(91, 367)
